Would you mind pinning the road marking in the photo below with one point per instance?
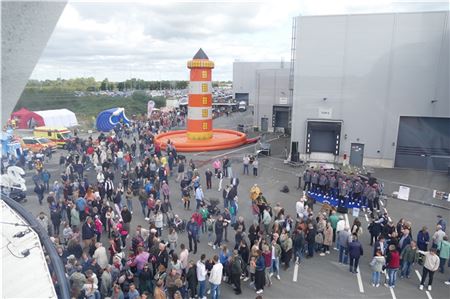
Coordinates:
(420, 278)
(381, 202)
(196, 154)
(360, 284)
(392, 293)
(294, 278)
(367, 218)
(346, 220)
(386, 281)
(358, 275)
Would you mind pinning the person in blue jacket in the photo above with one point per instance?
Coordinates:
(423, 238)
(192, 230)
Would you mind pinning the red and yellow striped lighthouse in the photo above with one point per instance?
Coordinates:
(199, 119)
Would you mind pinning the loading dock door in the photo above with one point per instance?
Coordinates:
(423, 143)
(239, 96)
(323, 137)
(280, 116)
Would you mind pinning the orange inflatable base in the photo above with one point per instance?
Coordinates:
(222, 139)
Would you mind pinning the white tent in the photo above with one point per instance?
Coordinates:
(58, 118)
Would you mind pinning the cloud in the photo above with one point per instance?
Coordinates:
(153, 40)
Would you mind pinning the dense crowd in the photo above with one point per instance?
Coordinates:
(105, 257)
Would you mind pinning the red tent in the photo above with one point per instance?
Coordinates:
(26, 119)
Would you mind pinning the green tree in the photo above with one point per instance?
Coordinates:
(159, 101)
(140, 96)
(105, 84)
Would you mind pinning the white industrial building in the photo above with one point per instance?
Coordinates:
(265, 86)
(373, 88)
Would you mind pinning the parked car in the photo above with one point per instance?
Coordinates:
(48, 143)
(37, 145)
(59, 135)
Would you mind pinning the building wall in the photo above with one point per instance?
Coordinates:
(272, 88)
(244, 76)
(371, 69)
(258, 79)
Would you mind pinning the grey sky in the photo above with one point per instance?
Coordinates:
(154, 39)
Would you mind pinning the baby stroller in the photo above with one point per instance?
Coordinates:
(179, 227)
(213, 210)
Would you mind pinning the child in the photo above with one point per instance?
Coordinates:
(377, 264)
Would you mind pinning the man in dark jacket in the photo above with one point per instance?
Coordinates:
(218, 229)
(126, 217)
(311, 239)
(191, 278)
(299, 244)
(236, 272)
(208, 176)
(192, 230)
(88, 233)
(355, 250)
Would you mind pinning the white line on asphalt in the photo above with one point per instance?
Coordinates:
(420, 278)
(360, 284)
(294, 278)
(367, 218)
(391, 289)
(381, 202)
(196, 154)
(346, 220)
(392, 293)
(358, 275)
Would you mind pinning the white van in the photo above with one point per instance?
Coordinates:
(242, 106)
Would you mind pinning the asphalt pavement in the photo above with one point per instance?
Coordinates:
(319, 277)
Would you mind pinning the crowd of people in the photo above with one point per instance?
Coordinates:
(90, 221)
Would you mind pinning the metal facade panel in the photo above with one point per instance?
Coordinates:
(371, 69)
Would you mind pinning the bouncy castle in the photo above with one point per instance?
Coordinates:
(108, 119)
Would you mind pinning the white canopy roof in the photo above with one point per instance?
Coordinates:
(58, 118)
(23, 276)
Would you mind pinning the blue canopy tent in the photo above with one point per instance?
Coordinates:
(108, 119)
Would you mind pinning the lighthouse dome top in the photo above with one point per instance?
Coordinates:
(200, 54)
(200, 60)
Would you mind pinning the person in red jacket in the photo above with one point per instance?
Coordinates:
(393, 264)
(199, 219)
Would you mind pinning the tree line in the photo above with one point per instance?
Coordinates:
(90, 84)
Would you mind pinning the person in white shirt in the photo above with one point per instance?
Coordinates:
(201, 276)
(430, 266)
(215, 278)
(184, 257)
(199, 196)
(300, 208)
(437, 236)
(100, 177)
(100, 255)
(340, 225)
(246, 162)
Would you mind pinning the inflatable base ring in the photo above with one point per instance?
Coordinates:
(221, 139)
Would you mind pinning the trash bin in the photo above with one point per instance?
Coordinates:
(240, 128)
